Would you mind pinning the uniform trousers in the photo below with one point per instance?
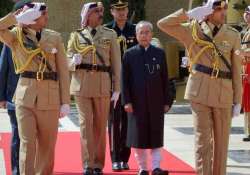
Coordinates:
(212, 128)
(117, 125)
(93, 115)
(15, 143)
(38, 133)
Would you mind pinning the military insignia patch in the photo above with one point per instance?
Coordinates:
(105, 42)
(130, 39)
(225, 44)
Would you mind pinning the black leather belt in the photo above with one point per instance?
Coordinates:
(40, 75)
(94, 67)
(213, 72)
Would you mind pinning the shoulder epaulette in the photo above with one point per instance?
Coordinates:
(108, 24)
(106, 28)
(232, 29)
(53, 32)
(79, 30)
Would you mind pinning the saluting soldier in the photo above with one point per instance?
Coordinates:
(42, 93)
(214, 84)
(117, 123)
(246, 76)
(94, 56)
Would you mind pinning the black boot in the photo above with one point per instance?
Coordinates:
(158, 171)
(246, 139)
(116, 166)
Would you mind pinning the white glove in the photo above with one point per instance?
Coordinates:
(236, 110)
(199, 13)
(29, 16)
(115, 97)
(65, 110)
(77, 59)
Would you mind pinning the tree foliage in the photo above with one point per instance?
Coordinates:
(5, 7)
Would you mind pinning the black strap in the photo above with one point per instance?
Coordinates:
(218, 52)
(40, 75)
(216, 30)
(45, 62)
(212, 72)
(34, 46)
(91, 67)
(90, 43)
(245, 42)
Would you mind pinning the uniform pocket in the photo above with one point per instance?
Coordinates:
(226, 95)
(194, 84)
(20, 92)
(105, 84)
(54, 92)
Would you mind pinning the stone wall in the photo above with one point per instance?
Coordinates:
(156, 9)
(64, 15)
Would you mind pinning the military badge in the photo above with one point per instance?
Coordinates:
(53, 50)
(130, 39)
(225, 44)
(105, 43)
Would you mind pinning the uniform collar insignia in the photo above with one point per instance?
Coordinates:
(206, 29)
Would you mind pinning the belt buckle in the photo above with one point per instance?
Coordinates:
(215, 73)
(94, 68)
(39, 76)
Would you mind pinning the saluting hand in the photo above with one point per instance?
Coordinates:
(200, 13)
(27, 16)
(128, 108)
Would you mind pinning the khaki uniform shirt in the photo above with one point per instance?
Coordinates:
(95, 84)
(201, 88)
(44, 94)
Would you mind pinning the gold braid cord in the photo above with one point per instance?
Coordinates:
(84, 50)
(122, 40)
(205, 46)
(18, 64)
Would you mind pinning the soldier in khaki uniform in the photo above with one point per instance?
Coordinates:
(42, 93)
(214, 84)
(94, 54)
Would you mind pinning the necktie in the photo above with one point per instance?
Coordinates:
(93, 32)
(215, 31)
(38, 36)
